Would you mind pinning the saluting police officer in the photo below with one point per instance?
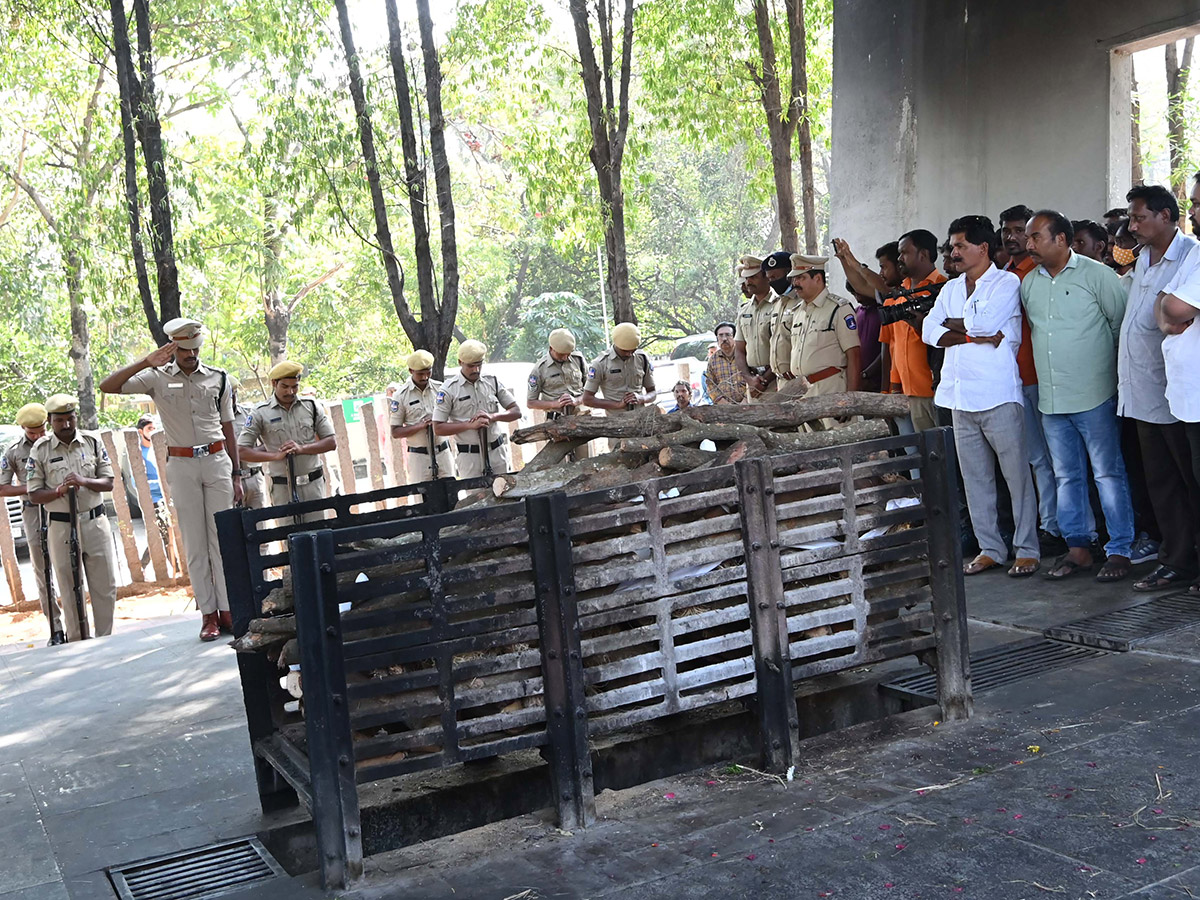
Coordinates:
(556, 381)
(69, 459)
(411, 418)
(623, 374)
(32, 419)
(469, 402)
(195, 403)
(254, 492)
(752, 341)
(825, 348)
(288, 426)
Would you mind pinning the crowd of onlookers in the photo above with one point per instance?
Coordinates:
(1061, 353)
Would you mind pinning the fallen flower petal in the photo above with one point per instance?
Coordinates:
(669, 796)
(752, 856)
(885, 827)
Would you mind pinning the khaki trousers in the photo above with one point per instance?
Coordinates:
(97, 563)
(281, 495)
(470, 464)
(51, 608)
(419, 468)
(923, 412)
(254, 491)
(834, 384)
(200, 488)
(766, 395)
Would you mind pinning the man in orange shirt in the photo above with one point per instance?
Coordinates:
(910, 372)
(1020, 263)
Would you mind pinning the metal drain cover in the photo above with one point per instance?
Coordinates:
(999, 666)
(1122, 629)
(203, 872)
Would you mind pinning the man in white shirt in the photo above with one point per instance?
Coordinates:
(1166, 457)
(977, 318)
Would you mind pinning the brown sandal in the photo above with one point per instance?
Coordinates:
(1024, 566)
(981, 563)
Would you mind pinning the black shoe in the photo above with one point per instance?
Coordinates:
(1051, 544)
(56, 638)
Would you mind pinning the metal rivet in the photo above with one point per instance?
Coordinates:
(574, 654)
(326, 568)
(343, 760)
(553, 654)
(558, 714)
(750, 489)
(542, 529)
(566, 795)
(562, 532)
(768, 490)
(331, 631)
(337, 699)
(774, 545)
(352, 831)
(779, 604)
(581, 714)
(793, 723)
(935, 456)
(762, 604)
(945, 617)
(755, 545)
(943, 564)
(777, 743)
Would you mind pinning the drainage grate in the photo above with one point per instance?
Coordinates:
(204, 872)
(999, 666)
(1124, 628)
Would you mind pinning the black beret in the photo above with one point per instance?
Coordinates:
(780, 259)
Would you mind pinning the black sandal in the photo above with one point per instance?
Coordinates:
(1114, 571)
(1161, 579)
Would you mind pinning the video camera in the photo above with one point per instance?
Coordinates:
(918, 301)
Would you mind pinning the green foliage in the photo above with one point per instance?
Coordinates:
(561, 309)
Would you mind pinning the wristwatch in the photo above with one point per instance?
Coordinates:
(242, 473)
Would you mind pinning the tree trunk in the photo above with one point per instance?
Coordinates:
(416, 185)
(129, 91)
(1135, 133)
(1177, 81)
(799, 50)
(366, 135)
(443, 323)
(162, 240)
(781, 125)
(608, 120)
(276, 315)
(80, 352)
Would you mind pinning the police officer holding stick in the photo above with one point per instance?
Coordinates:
(410, 415)
(69, 471)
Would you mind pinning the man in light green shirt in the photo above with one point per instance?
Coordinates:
(1074, 306)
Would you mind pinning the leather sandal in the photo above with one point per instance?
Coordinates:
(981, 563)
(1065, 568)
(1114, 569)
(1024, 566)
(1160, 579)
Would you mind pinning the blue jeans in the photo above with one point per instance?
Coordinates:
(1039, 459)
(1073, 439)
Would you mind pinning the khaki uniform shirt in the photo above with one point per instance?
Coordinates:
(754, 327)
(822, 332)
(459, 400)
(610, 376)
(272, 425)
(193, 407)
(50, 460)
(13, 462)
(781, 332)
(550, 379)
(410, 405)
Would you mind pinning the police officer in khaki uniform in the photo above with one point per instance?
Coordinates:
(623, 374)
(556, 381)
(195, 403)
(781, 328)
(825, 349)
(469, 408)
(752, 341)
(289, 434)
(32, 419)
(254, 489)
(66, 460)
(411, 418)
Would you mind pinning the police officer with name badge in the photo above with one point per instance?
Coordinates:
(556, 381)
(622, 378)
(411, 418)
(825, 347)
(13, 465)
(195, 404)
(71, 460)
(289, 434)
(752, 341)
(469, 409)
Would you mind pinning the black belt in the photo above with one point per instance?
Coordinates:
(314, 475)
(474, 448)
(425, 450)
(253, 471)
(94, 513)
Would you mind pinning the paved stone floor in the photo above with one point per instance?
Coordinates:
(1082, 784)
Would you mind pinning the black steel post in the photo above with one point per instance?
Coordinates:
(76, 562)
(777, 715)
(562, 661)
(326, 708)
(938, 474)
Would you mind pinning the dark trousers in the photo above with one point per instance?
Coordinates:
(1168, 458)
(1144, 508)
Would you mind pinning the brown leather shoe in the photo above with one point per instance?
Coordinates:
(210, 628)
(225, 621)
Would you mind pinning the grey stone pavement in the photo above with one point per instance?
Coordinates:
(1084, 783)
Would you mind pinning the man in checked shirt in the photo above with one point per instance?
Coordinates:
(722, 379)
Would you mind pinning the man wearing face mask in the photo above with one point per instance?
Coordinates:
(781, 322)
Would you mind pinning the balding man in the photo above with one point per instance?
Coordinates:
(32, 420)
(556, 380)
(469, 408)
(67, 465)
(195, 403)
(623, 374)
(411, 418)
(290, 435)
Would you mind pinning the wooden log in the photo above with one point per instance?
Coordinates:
(684, 459)
(124, 517)
(552, 454)
(8, 554)
(345, 458)
(141, 482)
(158, 441)
(778, 415)
(521, 484)
(374, 464)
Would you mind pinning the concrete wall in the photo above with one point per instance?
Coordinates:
(947, 107)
